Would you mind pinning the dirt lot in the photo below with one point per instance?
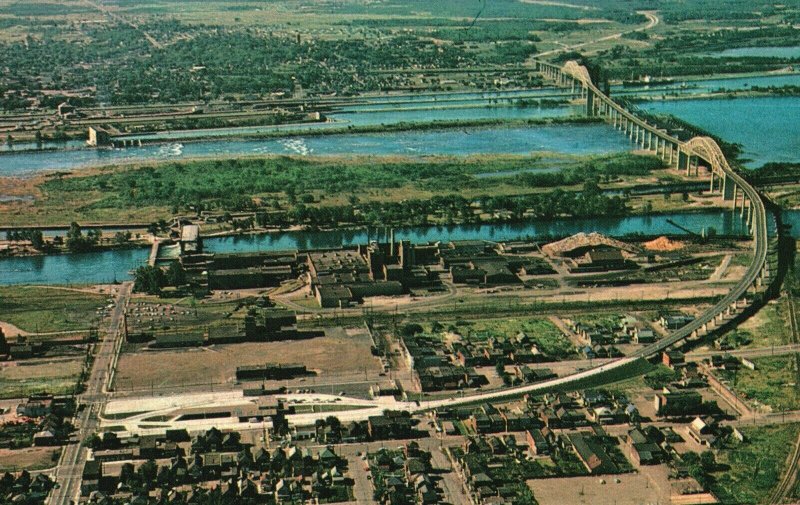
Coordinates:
(633, 489)
(30, 458)
(338, 353)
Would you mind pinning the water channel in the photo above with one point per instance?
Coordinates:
(108, 266)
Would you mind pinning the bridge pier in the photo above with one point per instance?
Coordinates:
(727, 188)
(683, 161)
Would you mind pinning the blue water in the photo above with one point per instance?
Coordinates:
(767, 128)
(376, 115)
(570, 139)
(790, 52)
(83, 268)
(723, 221)
(99, 267)
(20, 163)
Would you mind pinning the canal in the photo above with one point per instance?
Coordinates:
(109, 266)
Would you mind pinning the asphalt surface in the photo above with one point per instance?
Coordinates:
(70, 467)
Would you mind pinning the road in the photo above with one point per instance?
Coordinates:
(116, 17)
(652, 21)
(70, 467)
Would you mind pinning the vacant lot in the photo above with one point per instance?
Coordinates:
(550, 339)
(756, 465)
(19, 379)
(632, 489)
(30, 458)
(772, 383)
(770, 325)
(338, 353)
(35, 309)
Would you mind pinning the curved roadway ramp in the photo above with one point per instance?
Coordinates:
(685, 156)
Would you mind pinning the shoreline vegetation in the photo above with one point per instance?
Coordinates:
(281, 193)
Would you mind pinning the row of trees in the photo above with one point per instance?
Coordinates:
(76, 240)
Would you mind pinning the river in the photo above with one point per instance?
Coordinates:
(567, 138)
(766, 127)
(418, 107)
(107, 266)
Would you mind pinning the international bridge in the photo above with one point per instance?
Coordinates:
(682, 155)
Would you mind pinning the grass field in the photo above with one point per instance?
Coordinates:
(20, 379)
(338, 353)
(37, 309)
(770, 325)
(756, 465)
(772, 383)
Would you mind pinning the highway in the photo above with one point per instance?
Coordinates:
(70, 467)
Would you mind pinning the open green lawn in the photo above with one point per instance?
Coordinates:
(756, 465)
(772, 383)
(36, 309)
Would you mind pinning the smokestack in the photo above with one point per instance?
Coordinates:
(392, 251)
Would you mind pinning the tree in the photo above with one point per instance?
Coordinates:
(410, 329)
(37, 240)
(176, 274)
(333, 423)
(164, 477)
(148, 279)
(94, 442)
(110, 440)
(148, 472)
(127, 473)
(122, 238)
(77, 242)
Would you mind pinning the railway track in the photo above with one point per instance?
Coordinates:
(780, 492)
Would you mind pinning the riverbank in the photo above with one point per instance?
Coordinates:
(111, 266)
